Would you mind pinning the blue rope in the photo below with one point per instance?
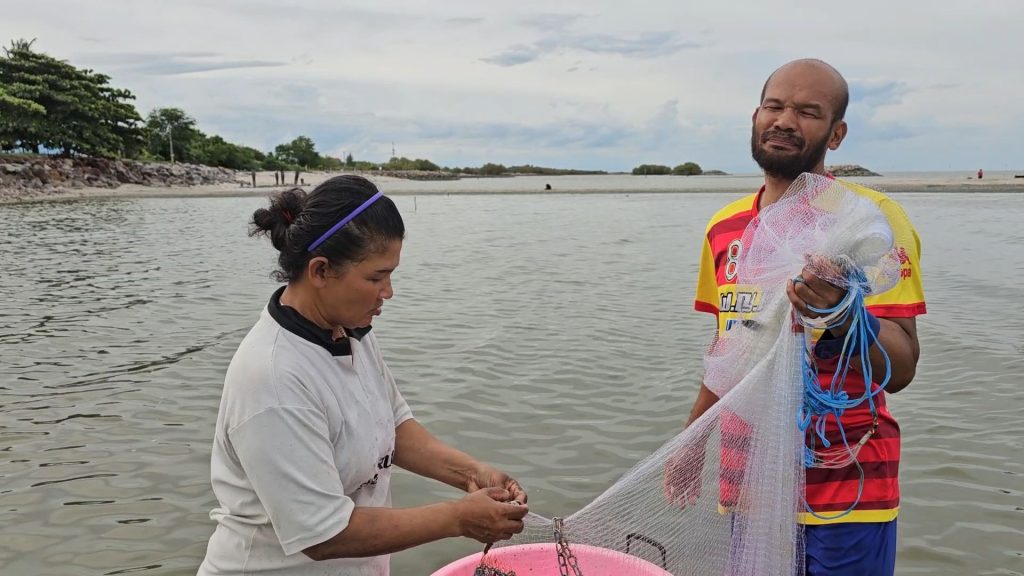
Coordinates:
(860, 490)
(820, 403)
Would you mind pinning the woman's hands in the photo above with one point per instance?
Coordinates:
(490, 514)
(487, 476)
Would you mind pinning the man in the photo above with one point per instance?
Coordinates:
(799, 119)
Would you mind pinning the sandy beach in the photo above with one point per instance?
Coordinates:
(995, 182)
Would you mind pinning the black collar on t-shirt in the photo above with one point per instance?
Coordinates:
(290, 319)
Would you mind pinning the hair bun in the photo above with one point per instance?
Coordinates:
(285, 208)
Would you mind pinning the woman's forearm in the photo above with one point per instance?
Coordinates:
(376, 531)
(419, 452)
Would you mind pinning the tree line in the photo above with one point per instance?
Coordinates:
(685, 169)
(49, 106)
(46, 103)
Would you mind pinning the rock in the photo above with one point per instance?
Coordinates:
(850, 170)
(22, 176)
(40, 173)
(123, 174)
(415, 174)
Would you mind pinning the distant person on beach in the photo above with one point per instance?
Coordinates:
(981, 173)
(311, 421)
(798, 120)
(277, 179)
(296, 182)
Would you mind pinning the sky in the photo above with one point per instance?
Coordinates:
(572, 84)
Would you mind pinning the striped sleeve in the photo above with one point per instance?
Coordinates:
(707, 281)
(720, 250)
(906, 298)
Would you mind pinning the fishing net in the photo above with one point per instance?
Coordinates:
(722, 497)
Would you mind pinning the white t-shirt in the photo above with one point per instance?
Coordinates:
(305, 433)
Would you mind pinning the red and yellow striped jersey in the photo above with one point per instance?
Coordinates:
(829, 492)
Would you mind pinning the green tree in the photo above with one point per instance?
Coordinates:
(651, 169)
(299, 152)
(173, 135)
(398, 163)
(218, 152)
(16, 116)
(331, 163)
(124, 121)
(47, 104)
(688, 169)
(349, 160)
(364, 165)
(530, 169)
(425, 165)
(274, 164)
(490, 169)
(403, 163)
(50, 104)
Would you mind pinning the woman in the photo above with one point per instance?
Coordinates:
(311, 420)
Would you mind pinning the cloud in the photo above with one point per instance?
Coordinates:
(169, 64)
(334, 14)
(664, 126)
(878, 92)
(123, 58)
(169, 68)
(874, 106)
(600, 83)
(646, 45)
(549, 22)
(446, 141)
(466, 21)
(515, 56)
(891, 132)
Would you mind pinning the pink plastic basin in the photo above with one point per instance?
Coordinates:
(542, 560)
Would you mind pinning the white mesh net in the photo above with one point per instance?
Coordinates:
(723, 496)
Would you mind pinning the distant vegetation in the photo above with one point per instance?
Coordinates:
(500, 170)
(687, 169)
(48, 106)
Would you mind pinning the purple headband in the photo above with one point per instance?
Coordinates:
(344, 221)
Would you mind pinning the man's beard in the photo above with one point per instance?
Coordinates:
(786, 166)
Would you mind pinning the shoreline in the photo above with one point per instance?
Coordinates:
(527, 185)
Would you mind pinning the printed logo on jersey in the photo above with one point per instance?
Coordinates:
(732, 256)
(906, 268)
(739, 302)
(382, 464)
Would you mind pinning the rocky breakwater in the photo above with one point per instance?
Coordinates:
(850, 171)
(33, 177)
(414, 174)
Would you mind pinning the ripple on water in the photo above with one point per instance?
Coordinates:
(553, 337)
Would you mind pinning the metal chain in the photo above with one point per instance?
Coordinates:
(566, 559)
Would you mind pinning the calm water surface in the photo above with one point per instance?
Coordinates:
(551, 335)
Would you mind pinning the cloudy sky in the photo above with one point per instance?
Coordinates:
(583, 84)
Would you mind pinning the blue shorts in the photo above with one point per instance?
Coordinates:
(851, 549)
